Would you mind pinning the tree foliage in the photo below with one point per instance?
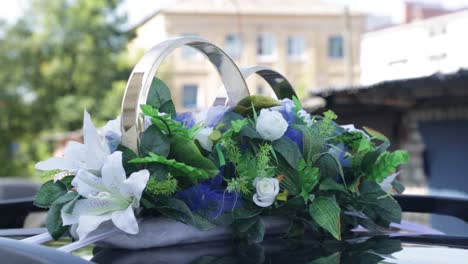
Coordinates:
(61, 57)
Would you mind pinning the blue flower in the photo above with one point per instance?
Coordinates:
(296, 136)
(209, 197)
(187, 119)
(286, 109)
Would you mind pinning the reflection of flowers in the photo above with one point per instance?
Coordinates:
(267, 190)
(271, 125)
(89, 156)
(110, 197)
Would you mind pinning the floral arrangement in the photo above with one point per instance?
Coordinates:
(225, 166)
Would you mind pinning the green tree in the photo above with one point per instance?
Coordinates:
(63, 56)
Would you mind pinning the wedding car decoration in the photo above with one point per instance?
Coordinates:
(229, 166)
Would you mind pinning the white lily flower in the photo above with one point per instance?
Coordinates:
(89, 156)
(203, 138)
(267, 190)
(110, 197)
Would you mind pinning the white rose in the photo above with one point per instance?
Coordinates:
(267, 190)
(202, 137)
(271, 125)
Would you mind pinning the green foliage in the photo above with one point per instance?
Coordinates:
(178, 210)
(48, 193)
(326, 212)
(165, 187)
(154, 141)
(312, 140)
(54, 222)
(60, 57)
(164, 122)
(159, 97)
(386, 164)
(309, 177)
(377, 204)
(326, 126)
(248, 165)
(193, 174)
(246, 106)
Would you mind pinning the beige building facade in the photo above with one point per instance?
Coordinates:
(311, 43)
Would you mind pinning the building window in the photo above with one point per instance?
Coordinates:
(335, 47)
(296, 46)
(233, 45)
(189, 52)
(265, 45)
(189, 95)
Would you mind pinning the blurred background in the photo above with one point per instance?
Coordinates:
(400, 67)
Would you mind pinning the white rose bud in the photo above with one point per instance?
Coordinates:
(202, 137)
(271, 125)
(267, 190)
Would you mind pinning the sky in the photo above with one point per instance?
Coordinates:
(140, 9)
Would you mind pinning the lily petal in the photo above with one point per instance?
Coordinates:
(87, 184)
(135, 184)
(89, 223)
(126, 221)
(113, 173)
(96, 149)
(58, 164)
(75, 151)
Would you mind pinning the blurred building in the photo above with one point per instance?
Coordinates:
(432, 40)
(313, 44)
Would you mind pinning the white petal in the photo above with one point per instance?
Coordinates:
(95, 206)
(113, 173)
(58, 164)
(75, 151)
(112, 126)
(87, 184)
(89, 223)
(135, 184)
(262, 203)
(386, 184)
(126, 221)
(97, 149)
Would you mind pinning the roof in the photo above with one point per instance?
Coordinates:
(252, 7)
(439, 88)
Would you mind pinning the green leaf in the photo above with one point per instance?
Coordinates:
(375, 134)
(289, 150)
(386, 164)
(66, 198)
(186, 151)
(246, 105)
(48, 193)
(159, 97)
(309, 176)
(312, 142)
(378, 205)
(154, 141)
(127, 156)
(241, 213)
(54, 222)
(331, 184)
(334, 258)
(297, 104)
(326, 212)
(179, 168)
(330, 166)
(178, 210)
